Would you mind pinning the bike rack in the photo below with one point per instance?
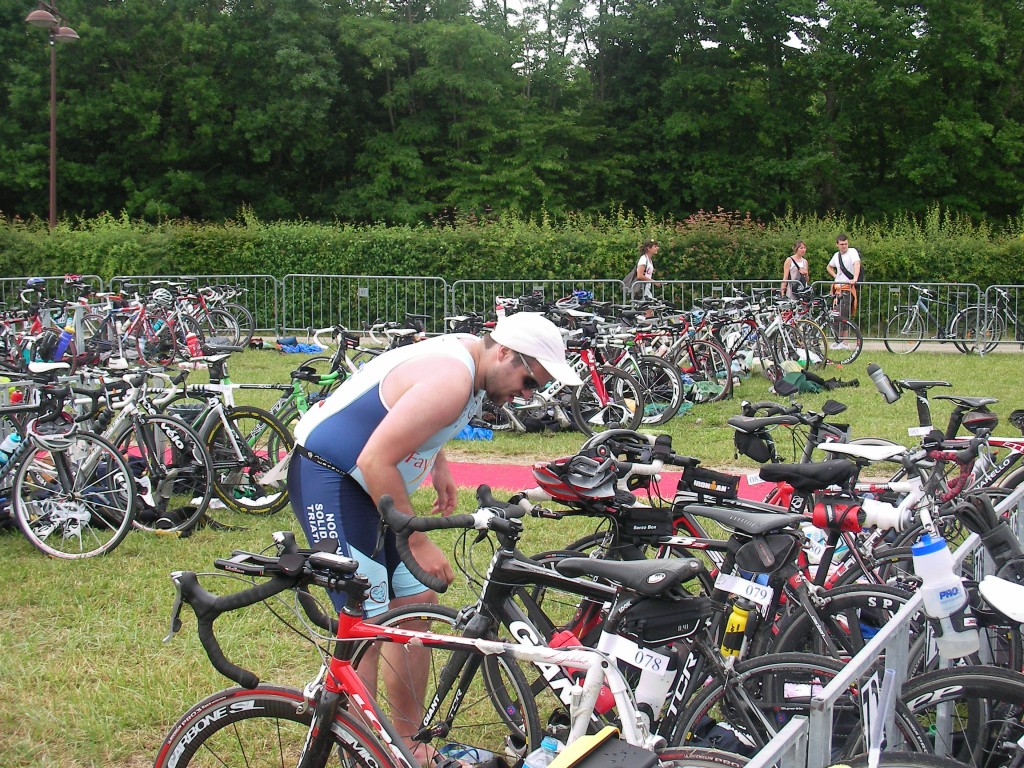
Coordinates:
(812, 737)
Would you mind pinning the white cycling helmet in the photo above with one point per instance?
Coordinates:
(162, 298)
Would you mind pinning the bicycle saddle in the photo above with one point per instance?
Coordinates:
(922, 385)
(755, 423)
(746, 521)
(968, 402)
(645, 577)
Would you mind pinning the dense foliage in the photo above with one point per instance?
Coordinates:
(401, 111)
(705, 246)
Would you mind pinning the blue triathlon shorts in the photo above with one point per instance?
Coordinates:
(328, 504)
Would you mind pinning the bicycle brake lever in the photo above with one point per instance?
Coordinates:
(176, 608)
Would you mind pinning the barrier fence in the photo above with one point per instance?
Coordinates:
(297, 302)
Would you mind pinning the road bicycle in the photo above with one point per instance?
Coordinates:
(244, 442)
(307, 387)
(170, 465)
(660, 382)
(609, 398)
(336, 718)
(192, 314)
(844, 337)
(982, 328)
(71, 491)
(950, 321)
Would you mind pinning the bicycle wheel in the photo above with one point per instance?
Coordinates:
(850, 616)
(976, 330)
(497, 712)
(155, 343)
(623, 408)
(661, 386)
(172, 471)
(221, 327)
(244, 445)
(845, 340)
(75, 499)
(794, 344)
(901, 760)
(903, 332)
(815, 342)
(261, 728)
(706, 370)
(244, 320)
(698, 757)
(761, 695)
(973, 714)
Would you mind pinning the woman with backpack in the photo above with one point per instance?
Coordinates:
(638, 282)
(794, 271)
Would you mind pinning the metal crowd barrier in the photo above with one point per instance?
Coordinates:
(355, 301)
(297, 302)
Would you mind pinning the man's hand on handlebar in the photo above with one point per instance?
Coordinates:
(430, 557)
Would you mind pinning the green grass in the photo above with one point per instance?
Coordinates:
(87, 680)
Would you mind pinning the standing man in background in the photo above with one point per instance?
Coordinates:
(844, 267)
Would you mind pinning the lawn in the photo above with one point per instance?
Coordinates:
(87, 680)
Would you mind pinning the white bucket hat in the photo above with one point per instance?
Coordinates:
(535, 336)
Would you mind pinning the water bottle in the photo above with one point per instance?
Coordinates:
(882, 383)
(192, 342)
(544, 755)
(736, 627)
(63, 340)
(945, 598)
(566, 639)
(9, 446)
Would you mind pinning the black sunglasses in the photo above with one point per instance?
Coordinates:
(529, 382)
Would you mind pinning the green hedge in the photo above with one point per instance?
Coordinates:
(941, 248)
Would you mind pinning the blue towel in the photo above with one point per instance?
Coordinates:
(305, 349)
(475, 433)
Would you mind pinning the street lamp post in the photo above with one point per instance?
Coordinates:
(49, 18)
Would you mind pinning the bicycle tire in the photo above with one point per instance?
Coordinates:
(815, 341)
(624, 409)
(259, 728)
(82, 491)
(985, 709)
(852, 615)
(172, 471)
(704, 361)
(903, 332)
(662, 388)
(236, 481)
(497, 704)
(698, 757)
(221, 327)
(842, 330)
(775, 688)
(244, 319)
(155, 343)
(901, 760)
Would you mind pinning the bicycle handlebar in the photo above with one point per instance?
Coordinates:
(491, 515)
(293, 569)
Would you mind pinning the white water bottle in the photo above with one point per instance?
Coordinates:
(544, 755)
(9, 446)
(945, 598)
